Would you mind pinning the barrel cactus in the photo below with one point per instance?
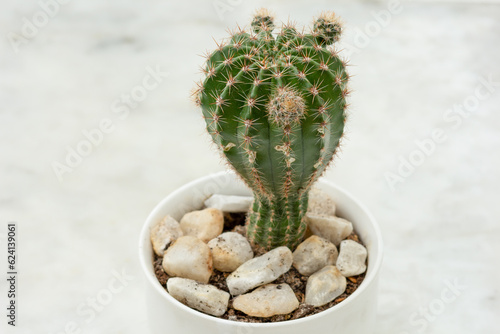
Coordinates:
(274, 103)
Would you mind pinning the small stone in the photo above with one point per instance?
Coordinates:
(188, 257)
(229, 251)
(260, 270)
(352, 258)
(334, 229)
(320, 204)
(228, 203)
(204, 224)
(202, 297)
(164, 233)
(324, 286)
(313, 254)
(268, 300)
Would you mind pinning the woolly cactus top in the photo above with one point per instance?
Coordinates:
(275, 106)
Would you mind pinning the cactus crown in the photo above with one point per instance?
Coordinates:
(275, 106)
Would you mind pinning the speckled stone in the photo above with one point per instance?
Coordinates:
(204, 224)
(188, 257)
(324, 286)
(229, 251)
(229, 203)
(320, 203)
(202, 297)
(352, 258)
(164, 233)
(260, 270)
(313, 254)
(334, 229)
(268, 300)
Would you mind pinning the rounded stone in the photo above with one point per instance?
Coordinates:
(229, 251)
(229, 203)
(320, 203)
(260, 270)
(188, 257)
(202, 297)
(313, 254)
(334, 229)
(204, 224)
(352, 258)
(324, 286)
(268, 300)
(164, 233)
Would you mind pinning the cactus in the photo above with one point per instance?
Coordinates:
(275, 106)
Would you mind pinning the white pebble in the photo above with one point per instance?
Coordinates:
(268, 300)
(324, 286)
(313, 254)
(204, 224)
(334, 229)
(229, 203)
(352, 258)
(320, 203)
(229, 251)
(164, 233)
(188, 257)
(202, 297)
(260, 270)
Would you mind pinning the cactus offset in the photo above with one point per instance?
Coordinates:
(275, 106)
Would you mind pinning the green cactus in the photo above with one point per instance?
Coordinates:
(275, 106)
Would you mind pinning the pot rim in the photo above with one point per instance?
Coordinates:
(145, 242)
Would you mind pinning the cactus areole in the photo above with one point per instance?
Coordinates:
(274, 103)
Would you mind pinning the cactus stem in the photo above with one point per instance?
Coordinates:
(275, 105)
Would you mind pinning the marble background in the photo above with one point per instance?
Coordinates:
(419, 72)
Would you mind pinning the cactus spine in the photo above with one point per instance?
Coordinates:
(275, 106)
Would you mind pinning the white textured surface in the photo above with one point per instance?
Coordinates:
(439, 226)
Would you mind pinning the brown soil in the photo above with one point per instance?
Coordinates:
(235, 223)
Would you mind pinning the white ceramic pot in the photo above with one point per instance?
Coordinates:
(354, 315)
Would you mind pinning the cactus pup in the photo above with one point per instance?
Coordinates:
(274, 103)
